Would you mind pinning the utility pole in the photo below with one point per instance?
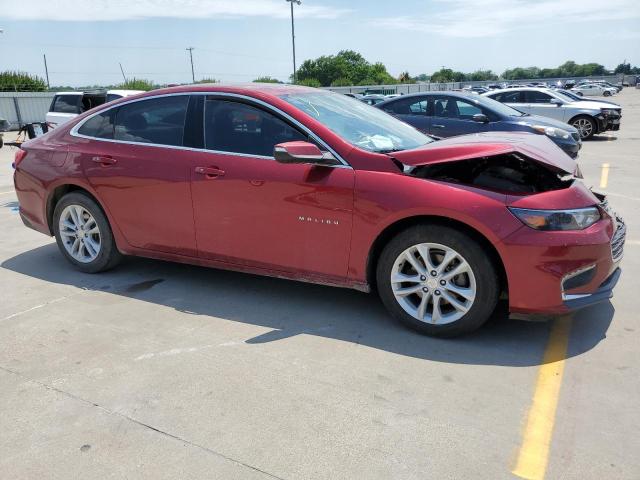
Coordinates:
(293, 37)
(46, 70)
(122, 71)
(193, 75)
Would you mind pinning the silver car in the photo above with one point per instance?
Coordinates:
(587, 116)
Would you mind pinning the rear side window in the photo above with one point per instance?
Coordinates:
(67, 104)
(99, 126)
(157, 120)
(240, 128)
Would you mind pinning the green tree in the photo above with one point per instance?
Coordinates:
(137, 84)
(345, 65)
(406, 78)
(12, 81)
(310, 82)
(208, 80)
(446, 75)
(423, 77)
(266, 79)
(341, 82)
(481, 75)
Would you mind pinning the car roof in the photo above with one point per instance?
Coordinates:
(273, 90)
(69, 93)
(516, 89)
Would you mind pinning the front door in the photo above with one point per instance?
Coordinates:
(454, 116)
(251, 210)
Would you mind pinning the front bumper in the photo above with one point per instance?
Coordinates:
(544, 268)
(603, 293)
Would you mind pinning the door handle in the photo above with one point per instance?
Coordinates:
(105, 161)
(436, 125)
(210, 172)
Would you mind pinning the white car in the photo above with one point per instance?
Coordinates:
(68, 105)
(590, 117)
(594, 89)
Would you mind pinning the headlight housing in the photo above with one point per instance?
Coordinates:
(552, 131)
(608, 111)
(554, 220)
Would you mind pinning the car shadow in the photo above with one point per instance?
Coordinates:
(603, 138)
(293, 308)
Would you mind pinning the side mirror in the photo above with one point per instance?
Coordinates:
(302, 152)
(480, 118)
(556, 101)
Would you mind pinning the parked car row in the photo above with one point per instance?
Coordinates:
(587, 116)
(446, 114)
(311, 185)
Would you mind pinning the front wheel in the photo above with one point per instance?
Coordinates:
(586, 126)
(437, 280)
(83, 234)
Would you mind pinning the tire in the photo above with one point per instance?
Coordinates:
(580, 94)
(93, 241)
(436, 240)
(606, 93)
(586, 126)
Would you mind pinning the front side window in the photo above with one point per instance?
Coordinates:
(156, 120)
(534, 96)
(357, 123)
(99, 126)
(507, 97)
(449, 107)
(407, 106)
(240, 128)
(67, 104)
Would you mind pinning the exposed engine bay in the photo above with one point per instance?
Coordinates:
(510, 172)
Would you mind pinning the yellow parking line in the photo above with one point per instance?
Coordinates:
(604, 176)
(534, 450)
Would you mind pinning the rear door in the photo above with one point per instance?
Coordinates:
(513, 98)
(453, 116)
(411, 110)
(142, 173)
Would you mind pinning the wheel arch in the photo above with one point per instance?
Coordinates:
(60, 191)
(587, 115)
(400, 225)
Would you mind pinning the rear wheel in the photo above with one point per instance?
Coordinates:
(437, 280)
(83, 234)
(606, 93)
(586, 126)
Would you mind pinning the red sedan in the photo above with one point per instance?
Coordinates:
(310, 185)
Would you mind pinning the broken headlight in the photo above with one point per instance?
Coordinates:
(576, 219)
(552, 132)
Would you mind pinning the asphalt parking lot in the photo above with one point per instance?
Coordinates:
(158, 370)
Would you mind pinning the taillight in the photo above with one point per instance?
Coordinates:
(20, 154)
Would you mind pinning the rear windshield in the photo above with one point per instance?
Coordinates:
(67, 104)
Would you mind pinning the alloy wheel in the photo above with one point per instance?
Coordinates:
(80, 233)
(584, 126)
(433, 283)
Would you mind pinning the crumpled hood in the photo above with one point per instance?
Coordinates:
(537, 147)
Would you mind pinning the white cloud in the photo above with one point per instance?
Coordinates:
(110, 10)
(486, 18)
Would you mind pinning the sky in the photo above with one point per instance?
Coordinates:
(239, 40)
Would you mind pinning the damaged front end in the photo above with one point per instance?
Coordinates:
(510, 163)
(509, 173)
